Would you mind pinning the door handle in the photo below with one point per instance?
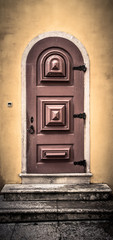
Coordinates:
(31, 130)
(55, 154)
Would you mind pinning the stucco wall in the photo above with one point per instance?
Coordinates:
(91, 22)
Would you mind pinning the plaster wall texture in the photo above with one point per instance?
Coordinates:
(91, 23)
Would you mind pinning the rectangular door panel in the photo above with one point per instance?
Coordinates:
(55, 153)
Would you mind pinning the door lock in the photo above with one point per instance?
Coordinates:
(31, 130)
(32, 119)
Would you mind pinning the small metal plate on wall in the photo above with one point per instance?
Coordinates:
(9, 104)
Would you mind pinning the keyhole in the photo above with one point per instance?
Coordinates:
(32, 119)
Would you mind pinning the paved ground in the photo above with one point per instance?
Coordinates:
(86, 230)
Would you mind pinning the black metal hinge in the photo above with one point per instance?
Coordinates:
(80, 68)
(80, 115)
(81, 163)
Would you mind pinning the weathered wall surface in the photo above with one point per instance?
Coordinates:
(91, 22)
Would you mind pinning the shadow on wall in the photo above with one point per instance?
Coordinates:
(2, 183)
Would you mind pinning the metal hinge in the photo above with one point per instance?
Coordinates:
(80, 163)
(80, 115)
(80, 68)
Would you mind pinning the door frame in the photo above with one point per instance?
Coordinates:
(85, 177)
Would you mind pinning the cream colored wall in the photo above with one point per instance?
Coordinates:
(91, 22)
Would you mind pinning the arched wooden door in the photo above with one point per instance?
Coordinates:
(55, 100)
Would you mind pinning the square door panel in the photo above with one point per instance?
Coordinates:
(54, 113)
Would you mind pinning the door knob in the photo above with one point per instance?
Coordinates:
(31, 130)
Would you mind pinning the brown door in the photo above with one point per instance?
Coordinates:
(55, 92)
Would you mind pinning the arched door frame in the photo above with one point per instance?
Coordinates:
(83, 177)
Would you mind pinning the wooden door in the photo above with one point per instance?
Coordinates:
(55, 92)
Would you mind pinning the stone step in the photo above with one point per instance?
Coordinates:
(45, 192)
(35, 211)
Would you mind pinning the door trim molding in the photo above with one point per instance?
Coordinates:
(86, 95)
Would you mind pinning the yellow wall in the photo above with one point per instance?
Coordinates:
(91, 22)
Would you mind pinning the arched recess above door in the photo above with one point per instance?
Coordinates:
(51, 63)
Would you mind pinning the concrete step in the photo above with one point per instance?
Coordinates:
(35, 211)
(45, 192)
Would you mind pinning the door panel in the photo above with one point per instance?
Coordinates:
(55, 139)
(54, 153)
(54, 114)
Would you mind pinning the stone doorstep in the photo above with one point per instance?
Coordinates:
(56, 192)
(59, 178)
(22, 211)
